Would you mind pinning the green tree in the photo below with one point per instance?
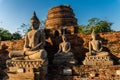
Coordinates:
(42, 24)
(23, 29)
(103, 26)
(5, 34)
(96, 24)
(81, 29)
(16, 36)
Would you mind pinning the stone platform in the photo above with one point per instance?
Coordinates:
(98, 60)
(24, 69)
(64, 60)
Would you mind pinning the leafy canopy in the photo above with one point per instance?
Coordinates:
(96, 24)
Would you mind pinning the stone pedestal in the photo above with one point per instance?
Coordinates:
(24, 69)
(98, 60)
(61, 59)
(62, 67)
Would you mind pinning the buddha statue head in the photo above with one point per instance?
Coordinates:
(93, 35)
(34, 22)
(64, 38)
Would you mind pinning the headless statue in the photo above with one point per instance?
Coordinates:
(95, 47)
(64, 47)
(34, 43)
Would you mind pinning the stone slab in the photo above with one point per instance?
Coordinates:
(98, 60)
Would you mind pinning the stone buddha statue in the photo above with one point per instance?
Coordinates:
(64, 47)
(34, 43)
(95, 47)
(64, 55)
(33, 48)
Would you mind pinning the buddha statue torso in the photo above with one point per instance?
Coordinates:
(65, 46)
(96, 45)
(33, 38)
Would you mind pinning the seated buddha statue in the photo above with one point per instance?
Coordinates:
(34, 43)
(64, 55)
(64, 47)
(95, 47)
(33, 47)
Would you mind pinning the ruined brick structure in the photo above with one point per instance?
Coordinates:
(59, 18)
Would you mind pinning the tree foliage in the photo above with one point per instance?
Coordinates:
(5, 34)
(16, 36)
(96, 24)
(42, 24)
(23, 29)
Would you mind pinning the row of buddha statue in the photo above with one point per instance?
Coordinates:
(35, 42)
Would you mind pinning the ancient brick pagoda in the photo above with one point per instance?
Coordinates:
(59, 18)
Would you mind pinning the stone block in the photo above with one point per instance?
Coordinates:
(24, 69)
(19, 76)
(97, 60)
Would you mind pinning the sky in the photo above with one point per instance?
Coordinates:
(15, 12)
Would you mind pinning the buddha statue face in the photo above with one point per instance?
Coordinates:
(34, 25)
(34, 22)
